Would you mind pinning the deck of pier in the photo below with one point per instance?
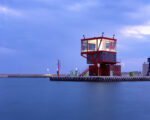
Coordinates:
(101, 78)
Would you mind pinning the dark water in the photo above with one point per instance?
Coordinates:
(40, 99)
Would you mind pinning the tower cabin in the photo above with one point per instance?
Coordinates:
(100, 53)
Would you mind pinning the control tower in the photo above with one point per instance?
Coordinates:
(100, 53)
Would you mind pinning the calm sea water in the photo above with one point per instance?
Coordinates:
(41, 99)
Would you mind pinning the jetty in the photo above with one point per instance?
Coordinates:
(100, 78)
(53, 77)
(26, 75)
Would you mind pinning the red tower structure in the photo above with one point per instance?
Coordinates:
(100, 53)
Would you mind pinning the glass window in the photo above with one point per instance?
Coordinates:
(114, 47)
(111, 45)
(91, 45)
(84, 45)
(107, 45)
(100, 44)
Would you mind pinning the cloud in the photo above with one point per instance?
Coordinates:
(136, 31)
(77, 7)
(9, 12)
(141, 31)
(141, 13)
(7, 51)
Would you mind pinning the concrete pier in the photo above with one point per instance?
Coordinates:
(101, 78)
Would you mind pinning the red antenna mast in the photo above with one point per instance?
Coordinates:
(58, 64)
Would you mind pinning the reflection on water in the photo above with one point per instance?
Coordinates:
(41, 99)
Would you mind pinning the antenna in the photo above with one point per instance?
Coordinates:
(58, 64)
(84, 36)
(102, 34)
(113, 36)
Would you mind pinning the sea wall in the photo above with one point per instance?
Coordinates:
(101, 78)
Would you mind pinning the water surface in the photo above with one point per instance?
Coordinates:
(41, 99)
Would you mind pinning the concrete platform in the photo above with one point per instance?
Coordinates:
(101, 78)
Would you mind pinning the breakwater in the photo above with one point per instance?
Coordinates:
(26, 75)
(101, 78)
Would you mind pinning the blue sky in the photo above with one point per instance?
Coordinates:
(34, 34)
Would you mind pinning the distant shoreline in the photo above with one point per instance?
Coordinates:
(26, 75)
